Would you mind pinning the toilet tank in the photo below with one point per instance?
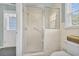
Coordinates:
(72, 48)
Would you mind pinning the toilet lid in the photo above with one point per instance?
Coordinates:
(60, 53)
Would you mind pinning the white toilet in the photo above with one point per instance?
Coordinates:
(70, 49)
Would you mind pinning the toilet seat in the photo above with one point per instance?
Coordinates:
(60, 53)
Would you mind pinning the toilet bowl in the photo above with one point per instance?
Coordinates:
(70, 49)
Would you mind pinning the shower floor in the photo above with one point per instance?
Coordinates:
(36, 54)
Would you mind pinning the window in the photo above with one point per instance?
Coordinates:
(72, 14)
(75, 13)
(10, 19)
(12, 23)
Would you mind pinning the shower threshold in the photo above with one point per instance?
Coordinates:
(36, 54)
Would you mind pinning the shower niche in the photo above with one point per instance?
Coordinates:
(37, 18)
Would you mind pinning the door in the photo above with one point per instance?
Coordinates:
(33, 29)
(9, 28)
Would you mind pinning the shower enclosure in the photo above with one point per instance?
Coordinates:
(35, 18)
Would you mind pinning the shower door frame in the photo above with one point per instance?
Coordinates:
(19, 33)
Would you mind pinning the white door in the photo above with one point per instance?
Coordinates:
(33, 29)
(9, 39)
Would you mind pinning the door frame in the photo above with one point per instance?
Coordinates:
(19, 29)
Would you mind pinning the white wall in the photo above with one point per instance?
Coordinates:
(51, 40)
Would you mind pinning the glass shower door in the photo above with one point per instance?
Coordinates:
(33, 29)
